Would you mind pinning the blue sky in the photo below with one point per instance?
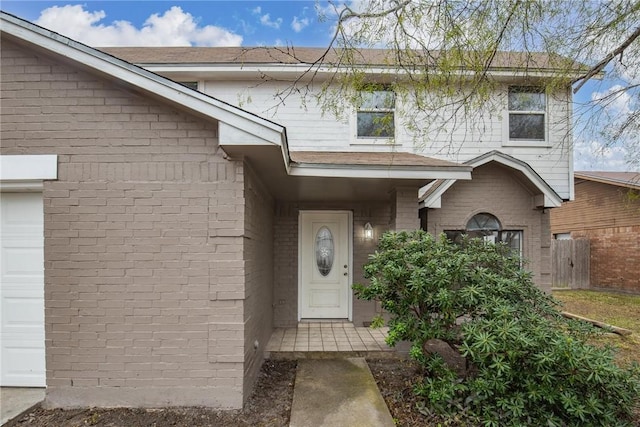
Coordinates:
(237, 23)
(247, 23)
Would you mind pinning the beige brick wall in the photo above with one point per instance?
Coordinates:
(404, 209)
(496, 190)
(258, 261)
(286, 253)
(144, 263)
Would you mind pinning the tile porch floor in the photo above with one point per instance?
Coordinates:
(334, 337)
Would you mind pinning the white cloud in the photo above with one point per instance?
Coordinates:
(173, 28)
(299, 24)
(593, 155)
(267, 22)
(616, 100)
(329, 11)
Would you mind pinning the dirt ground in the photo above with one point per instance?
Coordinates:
(270, 404)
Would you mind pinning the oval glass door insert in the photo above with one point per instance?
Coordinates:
(324, 250)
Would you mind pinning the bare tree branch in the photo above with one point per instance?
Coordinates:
(607, 59)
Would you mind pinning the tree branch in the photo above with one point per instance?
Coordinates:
(607, 59)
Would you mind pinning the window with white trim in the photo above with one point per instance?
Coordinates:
(376, 113)
(527, 113)
(487, 227)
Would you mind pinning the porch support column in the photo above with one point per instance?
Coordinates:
(404, 209)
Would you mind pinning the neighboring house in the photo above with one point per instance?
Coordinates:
(606, 210)
(180, 230)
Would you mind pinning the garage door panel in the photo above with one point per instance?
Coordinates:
(22, 212)
(21, 364)
(20, 260)
(22, 313)
(21, 290)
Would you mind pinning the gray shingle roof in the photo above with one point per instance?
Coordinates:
(308, 55)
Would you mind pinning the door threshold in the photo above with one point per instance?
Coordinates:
(324, 321)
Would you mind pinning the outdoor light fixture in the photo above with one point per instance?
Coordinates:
(368, 231)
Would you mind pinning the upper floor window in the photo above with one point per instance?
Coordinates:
(527, 113)
(376, 111)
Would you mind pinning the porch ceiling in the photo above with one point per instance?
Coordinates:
(343, 176)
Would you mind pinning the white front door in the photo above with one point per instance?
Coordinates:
(325, 271)
(22, 357)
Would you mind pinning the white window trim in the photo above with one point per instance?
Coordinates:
(392, 141)
(507, 142)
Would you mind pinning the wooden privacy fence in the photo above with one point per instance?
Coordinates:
(570, 263)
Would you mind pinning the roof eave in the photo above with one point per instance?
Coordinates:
(390, 172)
(549, 199)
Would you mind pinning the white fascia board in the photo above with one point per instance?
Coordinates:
(28, 167)
(232, 135)
(298, 69)
(141, 78)
(434, 200)
(551, 198)
(357, 171)
(233, 139)
(551, 202)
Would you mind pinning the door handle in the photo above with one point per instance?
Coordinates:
(345, 274)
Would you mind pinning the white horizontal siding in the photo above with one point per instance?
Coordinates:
(309, 129)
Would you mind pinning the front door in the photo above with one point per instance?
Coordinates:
(325, 253)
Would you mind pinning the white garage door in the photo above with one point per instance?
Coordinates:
(22, 361)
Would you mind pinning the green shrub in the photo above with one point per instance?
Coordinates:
(527, 365)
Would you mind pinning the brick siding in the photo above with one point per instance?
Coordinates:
(144, 241)
(605, 215)
(258, 263)
(496, 190)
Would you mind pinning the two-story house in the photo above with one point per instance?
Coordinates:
(155, 233)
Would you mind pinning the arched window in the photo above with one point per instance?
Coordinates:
(487, 227)
(483, 222)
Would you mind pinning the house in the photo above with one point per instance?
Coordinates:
(170, 231)
(606, 211)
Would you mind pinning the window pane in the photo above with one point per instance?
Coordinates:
(531, 100)
(324, 250)
(483, 221)
(455, 236)
(376, 125)
(526, 126)
(513, 239)
(378, 100)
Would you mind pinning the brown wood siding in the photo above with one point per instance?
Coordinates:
(596, 205)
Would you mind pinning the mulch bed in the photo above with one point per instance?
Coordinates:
(269, 405)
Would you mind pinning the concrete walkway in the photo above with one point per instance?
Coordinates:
(15, 400)
(337, 393)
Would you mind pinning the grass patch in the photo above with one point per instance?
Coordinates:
(616, 309)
